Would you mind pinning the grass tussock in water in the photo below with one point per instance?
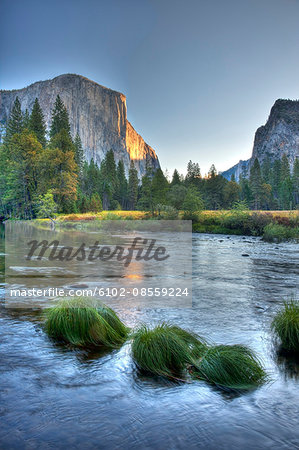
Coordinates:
(196, 344)
(231, 366)
(165, 350)
(113, 320)
(286, 326)
(79, 322)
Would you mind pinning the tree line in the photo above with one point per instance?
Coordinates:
(271, 185)
(40, 172)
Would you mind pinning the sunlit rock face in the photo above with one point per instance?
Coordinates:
(97, 113)
(279, 136)
(139, 151)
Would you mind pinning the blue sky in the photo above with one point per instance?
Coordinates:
(199, 75)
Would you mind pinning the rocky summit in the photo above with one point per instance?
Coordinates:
(97, 113)
(279, 136)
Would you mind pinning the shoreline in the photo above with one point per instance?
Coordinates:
(272, 226)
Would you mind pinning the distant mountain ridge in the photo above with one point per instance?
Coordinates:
(97, 113)
(279, 136)
(237, 170)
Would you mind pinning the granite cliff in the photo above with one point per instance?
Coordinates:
(280, 135)
(97, 113)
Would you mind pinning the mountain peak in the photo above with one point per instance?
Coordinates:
(279, 136)
(98, 114)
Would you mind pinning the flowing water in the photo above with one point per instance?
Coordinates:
(55, 397)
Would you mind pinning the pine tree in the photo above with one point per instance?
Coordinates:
(245, 194)
(295, 180)
(65, 121)
(20, 172)
(133, 186)
(192, 204)
(266, 168)
(95, 204)
(231, 193)
(175, 178)
(214, 189)
(266, 196)
(212, 172)
(93, 179)
(37, 123)
(84, 184)
(60, 118)
(255, 182)
(110, 166)
(26, 120)
(63, 141)
(108, 179)
(84, 204)
(284, 168)
(122, 185)
(276, 177)
(176, 195)
(15, 121)
(193, 173)
(145, 202)
(79, 154)
(58, 171)
(160, 188)
(285, 190)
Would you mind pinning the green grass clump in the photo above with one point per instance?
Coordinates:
(165, 350)
(78, 321)
(197, 345)
(113, 320)
(231, 366)
(286, 326)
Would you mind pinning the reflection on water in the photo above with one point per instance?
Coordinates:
(54, 396)
(53, 261)
(287, 363)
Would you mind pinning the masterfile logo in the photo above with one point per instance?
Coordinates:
(138, 263)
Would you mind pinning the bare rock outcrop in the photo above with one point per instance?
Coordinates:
(279, 136)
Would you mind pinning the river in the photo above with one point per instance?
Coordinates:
(54, 397)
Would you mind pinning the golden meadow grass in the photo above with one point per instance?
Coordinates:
(273, 226)
(137, 215)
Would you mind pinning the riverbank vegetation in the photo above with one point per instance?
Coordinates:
(41, 174)
(286, 326)
(273, 226)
